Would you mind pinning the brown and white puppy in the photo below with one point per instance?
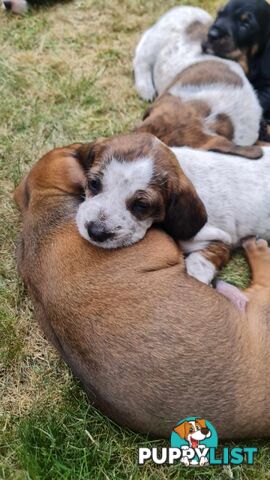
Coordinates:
(138, 332)
(178, 124)
(212, 94)
(134, 181)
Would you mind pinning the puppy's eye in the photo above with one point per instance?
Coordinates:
(94, 185)
(140, 207)
(198, 428)
(191, 430)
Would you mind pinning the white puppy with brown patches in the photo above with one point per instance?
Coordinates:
(169, 59)
(134, 181)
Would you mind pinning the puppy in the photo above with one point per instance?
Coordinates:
(134, 181)
(241, 31)
(169, 59)
(149, 344)
(21, 6)
(178, 123)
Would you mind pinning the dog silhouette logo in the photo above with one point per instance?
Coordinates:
(194, 436)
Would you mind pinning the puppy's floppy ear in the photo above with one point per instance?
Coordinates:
(88, 152)
(185, 212)
(201, 422)
(147, 113)
(182, 430)
(22, 194)
(86, 155)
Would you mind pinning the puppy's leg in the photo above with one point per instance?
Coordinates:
(205, 263)
(144, 61)
(258, 307)
(258, 294)
(209, 251)
(223, 145)
(258, 255)
(144, 81)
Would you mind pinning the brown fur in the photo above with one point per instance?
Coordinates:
(223, 126)
(207, 72)
(150, 344)
(179, 124)
(197, 31)
(218, 253)
(241, 57)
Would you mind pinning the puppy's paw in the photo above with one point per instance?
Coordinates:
(146, 89)
(200, 268)
(254, 245)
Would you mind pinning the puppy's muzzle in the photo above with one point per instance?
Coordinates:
(214, 34)
(98, 233)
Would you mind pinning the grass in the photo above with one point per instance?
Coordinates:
(65, 76)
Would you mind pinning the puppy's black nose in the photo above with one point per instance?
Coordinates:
(98, 233)
(205, 430)
(7, 4)
(214, 34)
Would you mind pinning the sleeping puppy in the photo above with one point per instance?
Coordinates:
(242, 31)
(178, 123)
(21, 6)
(148, 343)
(169, 60)
(134, 181)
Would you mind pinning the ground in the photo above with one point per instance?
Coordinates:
(65, 76)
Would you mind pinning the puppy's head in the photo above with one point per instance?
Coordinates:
(58, 173)
(134, 181)
(15, 6)
(240, 25)
(193, 431)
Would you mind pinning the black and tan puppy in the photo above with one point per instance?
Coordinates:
(241, 31)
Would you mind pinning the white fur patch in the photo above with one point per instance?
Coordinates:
(167, 31)
(120, 181)
(199, 267)
(18, 6)
(235, 192)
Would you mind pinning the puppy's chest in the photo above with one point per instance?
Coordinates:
(259, 68)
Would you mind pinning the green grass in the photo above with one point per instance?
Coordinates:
(65, 76)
